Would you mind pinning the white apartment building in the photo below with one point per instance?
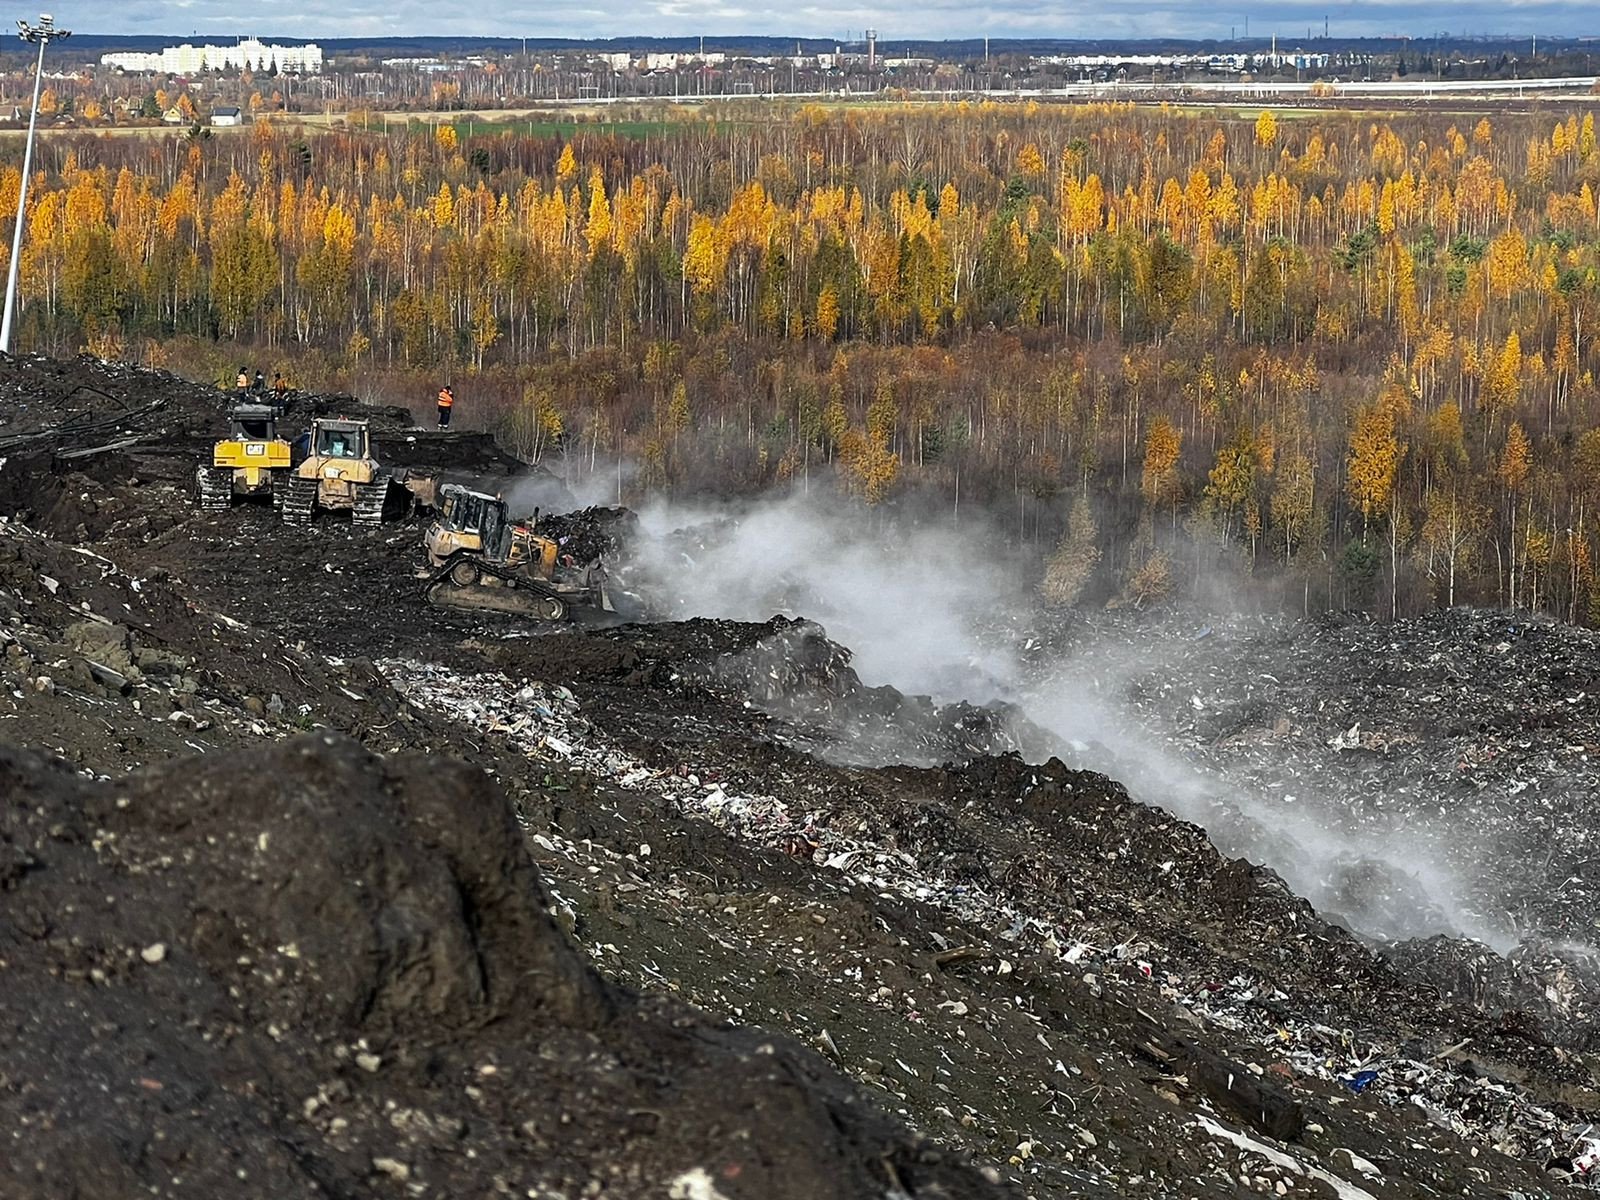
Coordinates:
(680, 62)
(250, 54)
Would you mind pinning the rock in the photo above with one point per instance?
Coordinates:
(393, 1168)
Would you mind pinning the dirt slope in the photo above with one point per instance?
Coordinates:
(304, 970)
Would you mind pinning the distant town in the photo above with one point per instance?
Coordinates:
(248, 54)
(96, 81)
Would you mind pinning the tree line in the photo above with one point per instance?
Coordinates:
(1344, 354)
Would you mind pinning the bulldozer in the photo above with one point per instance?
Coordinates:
(338, 471)
(478, 558)
(251, 461)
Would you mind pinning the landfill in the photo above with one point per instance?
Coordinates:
(311, 888)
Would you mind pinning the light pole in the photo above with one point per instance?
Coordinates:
(41, 33)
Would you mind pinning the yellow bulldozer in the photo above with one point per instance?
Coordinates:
(480, 559)
(337, 471)
(250, 462)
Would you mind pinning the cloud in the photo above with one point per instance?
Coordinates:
(896, 20)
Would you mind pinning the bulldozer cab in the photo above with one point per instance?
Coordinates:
(339, 439)
(476, 514)
(253, 423)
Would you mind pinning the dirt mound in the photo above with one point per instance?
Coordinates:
(477, 454)
(571, 658)
(309, 970)
(85, 401)
(794, 671)
(783, 669)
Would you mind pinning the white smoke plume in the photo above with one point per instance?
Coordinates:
(908, 599)
(556, 486)
(943, 610)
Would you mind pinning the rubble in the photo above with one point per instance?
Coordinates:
(549, 724)
(591, 533)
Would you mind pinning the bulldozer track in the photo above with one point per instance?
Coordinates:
(214, 488)
(299, 500)
(369, 503)
(458, 584)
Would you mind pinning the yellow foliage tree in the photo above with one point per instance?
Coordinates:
(566, 165)
(700, 266)
(1159, 482)
(597, 230)
(1266, 129)
(444, 207)
(1516, 459)
(827, 312)
(1375, 454)
(1503, 386)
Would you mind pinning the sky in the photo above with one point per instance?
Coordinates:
(894, 19)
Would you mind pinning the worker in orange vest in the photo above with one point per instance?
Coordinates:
(447, 398)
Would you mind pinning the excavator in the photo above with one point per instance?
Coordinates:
(251, 461)
(338, 471)
(480, 559)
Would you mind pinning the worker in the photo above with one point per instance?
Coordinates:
(447, 399)
(280, 386)
(243, 382)
(261, 382)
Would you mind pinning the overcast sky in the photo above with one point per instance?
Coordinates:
(893, 19)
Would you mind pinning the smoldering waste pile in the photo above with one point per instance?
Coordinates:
(1450, 764)
(282, 942)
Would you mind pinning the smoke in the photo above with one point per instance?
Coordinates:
(1391, 888)
(936, 609)
(557, 490)
(910, 599)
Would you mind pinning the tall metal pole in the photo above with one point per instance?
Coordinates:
(42, 33)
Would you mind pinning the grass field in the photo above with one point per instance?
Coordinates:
(648, 118)
(563, 129)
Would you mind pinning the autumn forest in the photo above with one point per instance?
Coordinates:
(1338, 359)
